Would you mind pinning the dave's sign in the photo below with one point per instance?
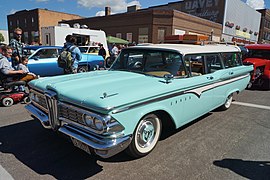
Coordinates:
(207, 9)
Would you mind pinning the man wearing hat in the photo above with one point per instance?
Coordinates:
(102, 51)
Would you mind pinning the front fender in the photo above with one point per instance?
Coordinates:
(130, 118)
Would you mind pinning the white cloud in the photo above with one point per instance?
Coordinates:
(117, 6)
(100, 13)
(13, 11)
(42, 1)
(256, 4)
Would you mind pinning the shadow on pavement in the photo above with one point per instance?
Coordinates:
(255, 170)
(46, 152)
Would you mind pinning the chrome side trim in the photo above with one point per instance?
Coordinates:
(40, 115)
(105, 147)
(198, 91)
(53, 110)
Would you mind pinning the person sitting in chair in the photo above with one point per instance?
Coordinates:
(8, 73)
(5, 66)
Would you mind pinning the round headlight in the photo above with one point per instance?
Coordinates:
(32, 96)
(89, 120)
(98, 124)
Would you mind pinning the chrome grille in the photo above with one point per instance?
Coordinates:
(51, 100)
(69, 113)
(39, 100)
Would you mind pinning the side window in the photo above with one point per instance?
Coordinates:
(213, 63)
(94, 49)
(167, 62)
(48, 53)
(194, 64)
(231, 59)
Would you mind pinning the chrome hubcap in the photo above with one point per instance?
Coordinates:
(228, 102)
(146, 134)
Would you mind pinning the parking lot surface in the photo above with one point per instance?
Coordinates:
(232, 144)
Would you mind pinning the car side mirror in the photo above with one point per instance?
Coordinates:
(168, 78)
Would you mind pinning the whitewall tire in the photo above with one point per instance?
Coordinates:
(146, 136)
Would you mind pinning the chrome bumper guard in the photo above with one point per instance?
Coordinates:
(40, 115)
(103, 147)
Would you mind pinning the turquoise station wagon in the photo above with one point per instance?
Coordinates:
(147, 89)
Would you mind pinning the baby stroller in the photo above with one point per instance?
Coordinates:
(8, 94)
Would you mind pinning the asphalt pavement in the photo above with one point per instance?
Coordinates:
(232, 144)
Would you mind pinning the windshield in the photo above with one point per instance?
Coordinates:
(83, 49)
(259, 53)
(150, 62)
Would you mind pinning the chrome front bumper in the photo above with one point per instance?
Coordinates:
(103, 147)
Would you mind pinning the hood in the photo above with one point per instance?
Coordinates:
(104, 89)
(256, 61)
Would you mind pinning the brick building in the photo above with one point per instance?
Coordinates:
(31, 21)
(150, 25)
(264, 34)
(222, 20)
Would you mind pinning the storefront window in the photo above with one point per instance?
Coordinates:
(143, 35)
(119, 35)
(161, 35)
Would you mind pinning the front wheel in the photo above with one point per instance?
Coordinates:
(146, 136)
(227, 103)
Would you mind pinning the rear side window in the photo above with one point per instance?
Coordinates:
(213, 63)
(231, 59)
(195, 64)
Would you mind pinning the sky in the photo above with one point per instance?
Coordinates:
(90, 8)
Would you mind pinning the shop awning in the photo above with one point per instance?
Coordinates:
(115, 40)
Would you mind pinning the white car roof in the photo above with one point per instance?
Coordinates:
(88, 46)
(192, 49)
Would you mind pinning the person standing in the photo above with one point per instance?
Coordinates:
(17, 47)
(114, 54)
(75, 54)
(102, 51)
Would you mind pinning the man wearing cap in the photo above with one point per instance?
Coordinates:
(102, 51)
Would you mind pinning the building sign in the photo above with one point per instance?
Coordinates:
(143, 38)
(129, 37)
(179, 32)
(242, 34)
(207, 9)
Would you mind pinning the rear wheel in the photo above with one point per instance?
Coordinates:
(109, 61)
(7, 102)
(82, 69)
(227, 103)
(146, 136)
(249, 85)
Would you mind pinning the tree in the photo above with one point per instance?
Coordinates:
(2, 39)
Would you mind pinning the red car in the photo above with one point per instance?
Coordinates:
(259, 56)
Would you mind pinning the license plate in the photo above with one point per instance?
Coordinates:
(80, 145)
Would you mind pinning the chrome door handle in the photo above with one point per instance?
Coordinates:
(210, 77)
